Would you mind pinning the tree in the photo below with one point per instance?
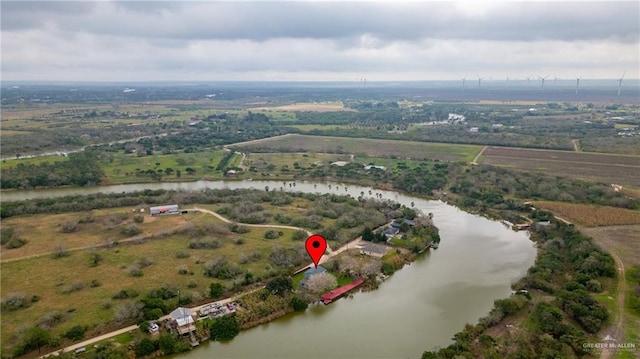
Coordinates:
(367, 234)
(33, 338)
(322, 282)
(145, 347)
(280, 285)
(215, 290)
(298, 304)
(224, 328)
(169, 344)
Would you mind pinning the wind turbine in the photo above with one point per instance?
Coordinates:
(577, 84)
(464, 79)
(620, 82)
(480, 80)
(542, 84)
(555, 81)
(507, 84)
(528, 78)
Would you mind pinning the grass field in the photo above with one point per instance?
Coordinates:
(122, 167)
(10, 163)
(83, 292)
(608, 168)
(262, 160)
(591, 215)
(44, 232)
(366, 147)
(623, 240)
(50, 278)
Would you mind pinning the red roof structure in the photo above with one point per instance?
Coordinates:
(330, 296)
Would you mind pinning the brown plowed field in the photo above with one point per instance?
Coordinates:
(608, 168)
(590, 215)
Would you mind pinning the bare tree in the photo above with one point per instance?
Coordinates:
(321, 282)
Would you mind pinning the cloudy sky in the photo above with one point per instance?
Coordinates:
(311, 41)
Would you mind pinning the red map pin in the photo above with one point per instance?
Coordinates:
(316, 245)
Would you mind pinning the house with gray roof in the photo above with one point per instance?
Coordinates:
(373, 250)
(182, 320)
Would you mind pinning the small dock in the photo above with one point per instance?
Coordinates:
(336, 293)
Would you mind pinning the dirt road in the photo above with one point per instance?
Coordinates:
(226, 220)
(257, 141)
(616, 330)
(475, 160)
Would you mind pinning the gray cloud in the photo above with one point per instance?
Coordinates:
(142, 39)
(260, 21)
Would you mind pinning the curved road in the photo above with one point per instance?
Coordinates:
(226, 220)
(90, 341)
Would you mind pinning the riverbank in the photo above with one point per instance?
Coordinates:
(117, 250)
(457, 245)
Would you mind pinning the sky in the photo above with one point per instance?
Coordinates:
(318, 41)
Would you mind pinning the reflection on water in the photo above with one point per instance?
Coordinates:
(418, 308)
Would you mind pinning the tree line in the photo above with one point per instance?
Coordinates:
(80, 169)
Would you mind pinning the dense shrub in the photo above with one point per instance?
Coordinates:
(75, 333)
(131, 230)
(13, 301)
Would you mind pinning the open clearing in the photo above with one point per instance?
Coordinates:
(90, 304)
(591, 215)
(307, 107)
(44, 232)
(365, 147)
(622, 240)
(608, 168)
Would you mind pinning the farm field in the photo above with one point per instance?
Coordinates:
(608, 168)
(365, 147)
(622, 240)
(591, 215)
(310, 107)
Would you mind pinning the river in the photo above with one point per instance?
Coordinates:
(420, 307)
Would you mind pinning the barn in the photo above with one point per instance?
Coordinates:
(168, 209)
